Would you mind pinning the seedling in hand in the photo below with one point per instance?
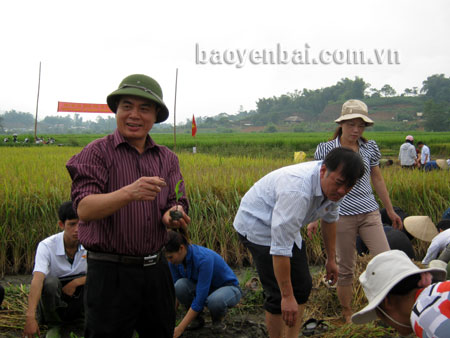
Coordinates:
(175, 214)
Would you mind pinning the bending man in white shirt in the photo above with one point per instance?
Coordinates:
(269, 220)
(440, 245)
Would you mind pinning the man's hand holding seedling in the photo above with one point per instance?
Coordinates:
(174, 224)
(175, 217)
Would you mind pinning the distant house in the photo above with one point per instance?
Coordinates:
(293, 119)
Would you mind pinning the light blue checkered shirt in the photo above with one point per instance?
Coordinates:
(273, 211)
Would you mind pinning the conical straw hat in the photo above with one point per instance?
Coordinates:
(442, 164)
(421, 227)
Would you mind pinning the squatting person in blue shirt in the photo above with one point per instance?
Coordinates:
(202, 278)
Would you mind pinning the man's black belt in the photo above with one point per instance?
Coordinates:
(130, 260)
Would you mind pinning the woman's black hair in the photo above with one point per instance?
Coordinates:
(176, 238)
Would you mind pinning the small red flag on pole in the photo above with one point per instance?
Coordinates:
(194, 126)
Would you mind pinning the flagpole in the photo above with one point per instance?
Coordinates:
(37, 103)
(175, 113)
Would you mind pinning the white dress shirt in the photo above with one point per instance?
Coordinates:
(437, 245)
(425, 155)
(51, 258)
(275, 208)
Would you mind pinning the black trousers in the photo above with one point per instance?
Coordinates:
(55, 307)
(122, 298)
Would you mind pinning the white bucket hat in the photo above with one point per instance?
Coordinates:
(437, 263)
(384, 272)
(353, 109)
(421, 227)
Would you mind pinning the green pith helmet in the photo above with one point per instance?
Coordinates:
(142, 86)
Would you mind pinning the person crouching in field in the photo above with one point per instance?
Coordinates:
(405, 297)
(59, 275)
(202, 278)
(269, 220)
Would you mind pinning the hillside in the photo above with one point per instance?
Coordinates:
(381, 109)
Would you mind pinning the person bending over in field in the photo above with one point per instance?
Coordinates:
(59, 275)
(440, 245)
(405, 297)
(202, 278)
(269, 220)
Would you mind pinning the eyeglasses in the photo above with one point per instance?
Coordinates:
(142, 88)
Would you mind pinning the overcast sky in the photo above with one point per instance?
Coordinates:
(228, 54)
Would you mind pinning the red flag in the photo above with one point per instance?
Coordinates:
(194, 126)
(74, 107)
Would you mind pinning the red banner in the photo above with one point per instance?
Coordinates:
(194, 126)
(74, 107)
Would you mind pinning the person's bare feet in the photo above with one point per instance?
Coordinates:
(347, 314)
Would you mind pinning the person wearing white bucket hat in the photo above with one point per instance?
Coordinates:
(405, 297)
(359, 212)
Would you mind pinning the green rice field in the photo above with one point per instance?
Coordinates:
(34, 182)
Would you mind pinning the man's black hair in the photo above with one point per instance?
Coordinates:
(443, 224)
(406, 285)
(66, 212)
(419, 143)
(348, 162)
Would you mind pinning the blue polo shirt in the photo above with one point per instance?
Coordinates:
(207, 269)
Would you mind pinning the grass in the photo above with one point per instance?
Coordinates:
(273, 145)
(34, 182)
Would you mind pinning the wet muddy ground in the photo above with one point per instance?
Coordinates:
(240, 323)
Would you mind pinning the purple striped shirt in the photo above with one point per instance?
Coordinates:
(110, 163)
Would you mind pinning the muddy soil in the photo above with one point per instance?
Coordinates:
(239, 324)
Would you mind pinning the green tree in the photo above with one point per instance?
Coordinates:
(437, 116)
(15, 119)
(387, 91)
(437, 87)
(407, 92)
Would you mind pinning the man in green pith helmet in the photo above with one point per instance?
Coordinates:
(124, 189)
